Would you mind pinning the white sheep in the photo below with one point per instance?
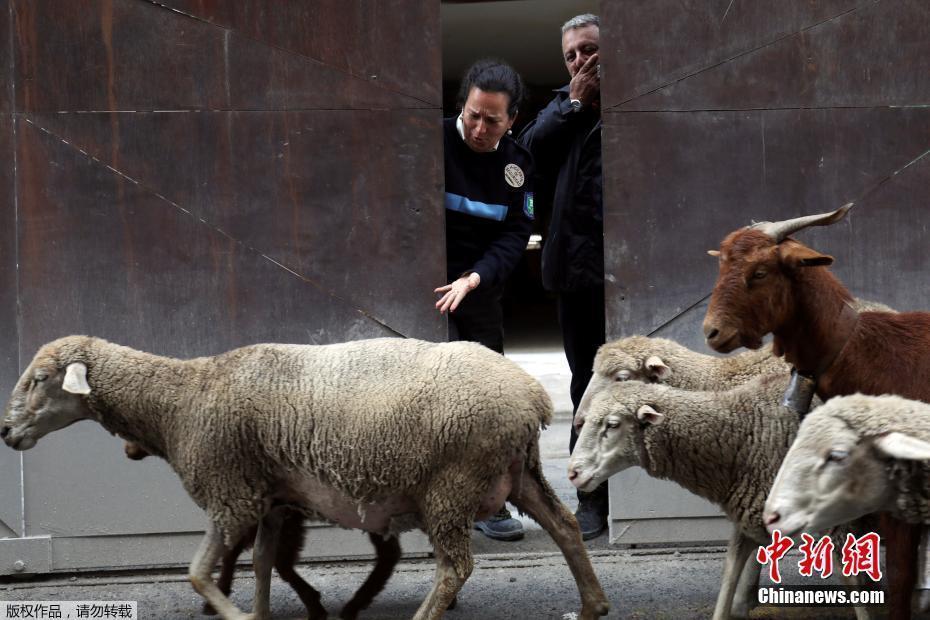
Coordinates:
(383, 435)
(855, 455)
(723, 446)
(660, 360)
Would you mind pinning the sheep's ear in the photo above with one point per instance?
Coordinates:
(797, 255)
(649, 415)
(901, 446)
(76, 379)
(657, 369)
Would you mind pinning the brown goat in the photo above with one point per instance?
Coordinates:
(290, 542)
(770, 283)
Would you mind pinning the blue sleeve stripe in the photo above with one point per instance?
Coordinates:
(454, 202)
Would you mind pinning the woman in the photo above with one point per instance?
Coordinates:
(489, 214)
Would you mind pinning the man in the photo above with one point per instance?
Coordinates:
(565, 141)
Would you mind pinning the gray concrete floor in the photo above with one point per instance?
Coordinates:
(523, 579)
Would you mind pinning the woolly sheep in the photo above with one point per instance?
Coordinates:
(383, 435)
(853, 456)
(290, 544)
(723, 446)
(659, 360)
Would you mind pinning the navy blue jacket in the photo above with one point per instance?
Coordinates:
(488, 219)
(566, 147)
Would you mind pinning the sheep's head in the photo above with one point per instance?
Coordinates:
(50, 395)
(753, 293)
(628, 359)
(611, 436)
(832, 474)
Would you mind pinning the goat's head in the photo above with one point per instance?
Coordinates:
(50, 395)
(753, 293)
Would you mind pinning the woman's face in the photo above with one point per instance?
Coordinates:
(485, 119)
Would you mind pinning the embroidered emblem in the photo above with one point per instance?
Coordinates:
(528, 209)
(514, 175)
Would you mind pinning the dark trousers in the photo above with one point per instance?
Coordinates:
(480, 318)
(581, 317)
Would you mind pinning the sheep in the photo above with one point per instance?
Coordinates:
(290, 543)
(659, 360)
(383, 435)
(855, 455)
(723, 446)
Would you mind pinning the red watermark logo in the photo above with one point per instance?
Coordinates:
(859, 555)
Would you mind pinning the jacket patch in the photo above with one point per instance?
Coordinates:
(528, 209)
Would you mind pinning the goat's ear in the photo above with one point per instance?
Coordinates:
(901, 446)
(76, 379)
(657, 369)
(797, 255)
(649, 415)
(714, 253)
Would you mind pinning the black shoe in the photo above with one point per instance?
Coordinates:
(501, 526)
(591, 517)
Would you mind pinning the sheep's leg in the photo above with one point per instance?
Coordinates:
(738, 551)
(263, 557)
(290, 542)
(923, 571)
(537, 499)
(446, 585)
(227, 570)
(387, 551)
(210, 550)
(747, 589)
(448, 515)
(853, 581)
(901, 541)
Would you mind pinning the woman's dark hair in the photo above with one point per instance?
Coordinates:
(493, 76)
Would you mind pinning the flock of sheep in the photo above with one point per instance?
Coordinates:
(390, 435)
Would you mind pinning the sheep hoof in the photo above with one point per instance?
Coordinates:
(208, 610)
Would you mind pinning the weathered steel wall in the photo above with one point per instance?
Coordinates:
(718, 113)
(188, 177)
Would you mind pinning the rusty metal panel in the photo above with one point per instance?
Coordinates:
(729, 112)
(187, 186)
(319, 192)
(854, 59)
(125, 55)
(101, 254)
(364, 39)
(11, 490)
(6, 81)
(682, 181)
(648, 48)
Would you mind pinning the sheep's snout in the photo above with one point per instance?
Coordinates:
(771, 520)
(4, 432)
(577, 476)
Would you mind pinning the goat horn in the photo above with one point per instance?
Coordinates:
(779, 230)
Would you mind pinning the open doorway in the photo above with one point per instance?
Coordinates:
(526, 34)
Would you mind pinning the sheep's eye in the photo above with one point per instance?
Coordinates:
(837, 456)
(40, 377)
(613, 423)
(758, 274)
(623, 375)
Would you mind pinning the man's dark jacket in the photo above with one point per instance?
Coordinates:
(566, 148)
